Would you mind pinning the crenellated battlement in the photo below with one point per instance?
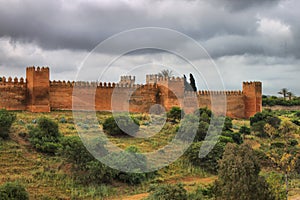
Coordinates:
(155, 79)
(130, 80)
(256, 83)
(88, 84)
(12, 82)
(37, 69)
(232, 93)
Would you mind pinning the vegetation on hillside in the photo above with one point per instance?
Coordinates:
(281, 101)
(49, 160)
(6, 120)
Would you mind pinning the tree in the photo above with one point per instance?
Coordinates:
(239, 175)
(283, 92)
(193, 83)
(121, 124)
(175, 114)
(167, 192)
(285, 159)
(165, 73)
(290, 95)
(187, 86)
(45, 137)
(13, 191)
(6, 120)
(210, 161)
(270, 130)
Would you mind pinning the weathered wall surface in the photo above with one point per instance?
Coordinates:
(102, 96)
(60, 95)
(38, 94)
(233, 101)
(38, 89)
(13, 94)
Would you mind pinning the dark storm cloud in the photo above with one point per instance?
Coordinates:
(79, 25)
(238, 5)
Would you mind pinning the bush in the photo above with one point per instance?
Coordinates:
(200, 111)
(130, 160)
(244, 130)
(297, 122)
(277, 145)
(45, 137)
(210, 161)
(175, 114)
(73, 149)
(258, 128)
(233, 137)
(121, 125)
(227, 124)
(167, 192)
(297, 114)
(202, 193)
(86, 168)
(272, 101)
(95, 172)
(202, 131)
(6, 120)
(293, 142)
(263, 159)
(259, 120)
(13, 191)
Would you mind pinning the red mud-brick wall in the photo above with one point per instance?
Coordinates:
(61, 95)
(233, 101)
(102, 96)
(13, 94)
(171, 91)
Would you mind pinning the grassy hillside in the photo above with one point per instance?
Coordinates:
(50, 177)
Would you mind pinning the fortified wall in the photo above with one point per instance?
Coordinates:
(38, 94)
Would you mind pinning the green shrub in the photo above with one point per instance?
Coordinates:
(202, 193)
(245, 130)
(13, 191)
(73, 149)
(63, 120)
(297, 122)
(175, 114)
(293, 142)
(277, 145)
(272, 101)
(130, 160)
(234, 137)
(6, 120)
(167, 192)
(200, 111)
(263, 159)
(297, 114)
(227, 124)
(225, 139)
(95, 172)
(276, 184)
(86, 168)
(258, 128)
(45, 137)
(202, 131)
(259, 120)
(210, 161)
(121, 125)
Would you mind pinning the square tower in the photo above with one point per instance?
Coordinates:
(38, 89)
(252, 97)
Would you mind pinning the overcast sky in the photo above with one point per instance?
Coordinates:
(247, 40)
